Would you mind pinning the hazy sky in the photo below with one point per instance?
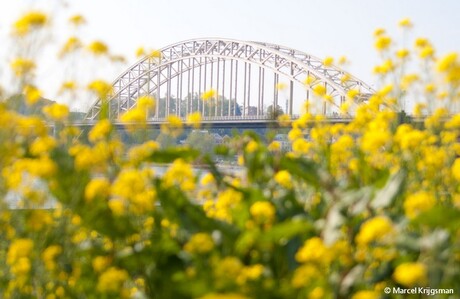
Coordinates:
(319, 27)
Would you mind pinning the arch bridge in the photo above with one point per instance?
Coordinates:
(251, 81)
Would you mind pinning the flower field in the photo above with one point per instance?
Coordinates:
(352, 210)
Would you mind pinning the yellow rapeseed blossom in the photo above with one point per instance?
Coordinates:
(418, 203)
(405, 23)
(140, 153)
(319, 90)
(374, 230)
(100, 131)
(180, 173)
(194, 119)
(97, 187)
(379, 32)
(100, 87)
(456, 169)
(382, 42)
(200, 243)
(281, 86)
(22, 66)
(304, 275)
(328, 61)
(173, 126)
(263, 211)
(30, 21)
(32, 94)
(410, 274)
(56, 112)
(314, 251)
(252, 146)
(366, 295)
(283, 177)
(284, 120)
(98, 48)
(112, 280)
(402, 53)
(49, 256)
(77, 20)
(309, 80)
(224, 296)
(72, 44)
(100, 263)
(209, 94)
(67, 86)
(140, 52)
(42, 145)
(19, 248)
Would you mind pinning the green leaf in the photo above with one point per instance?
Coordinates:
(171, 154)
(302, 168)
(439, 216)
(389, 192)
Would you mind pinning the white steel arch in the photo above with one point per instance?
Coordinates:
(227, 66)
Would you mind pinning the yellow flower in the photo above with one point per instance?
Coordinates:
(139, 153)
(207, 179)
(405, 23)
(426, 52)
(98, 48)
(281, 86)
(100, 263)
(173, 126)
(194, 119)
(421, 42)
(284, 120)
(224, 296)
(382, 42)
(366, 295)
(145, 102)
(49, 255)
(22, 66)
(200, 243)
(319, 90)
(328, 61)
(19, 248)
(180, 173)
(101, 88)
(56, 112)
(301, 146)
(134, 186)
(402, 53)
(30, 21)
(100, 131)
(410, 274)
(304, 275)
(67, 86)
(97, 187)
(71, 45)
(456, 169)
(375, 229)
(418, 203)
(42, 145)
(309, 80)
(140, 52)
(112, 280)
(77, 20)
(284, 178)
(315, 251)
(32, 94)
(252, 146)
(353, 93)
(263, 211)
(210, 94)
(379, 32)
